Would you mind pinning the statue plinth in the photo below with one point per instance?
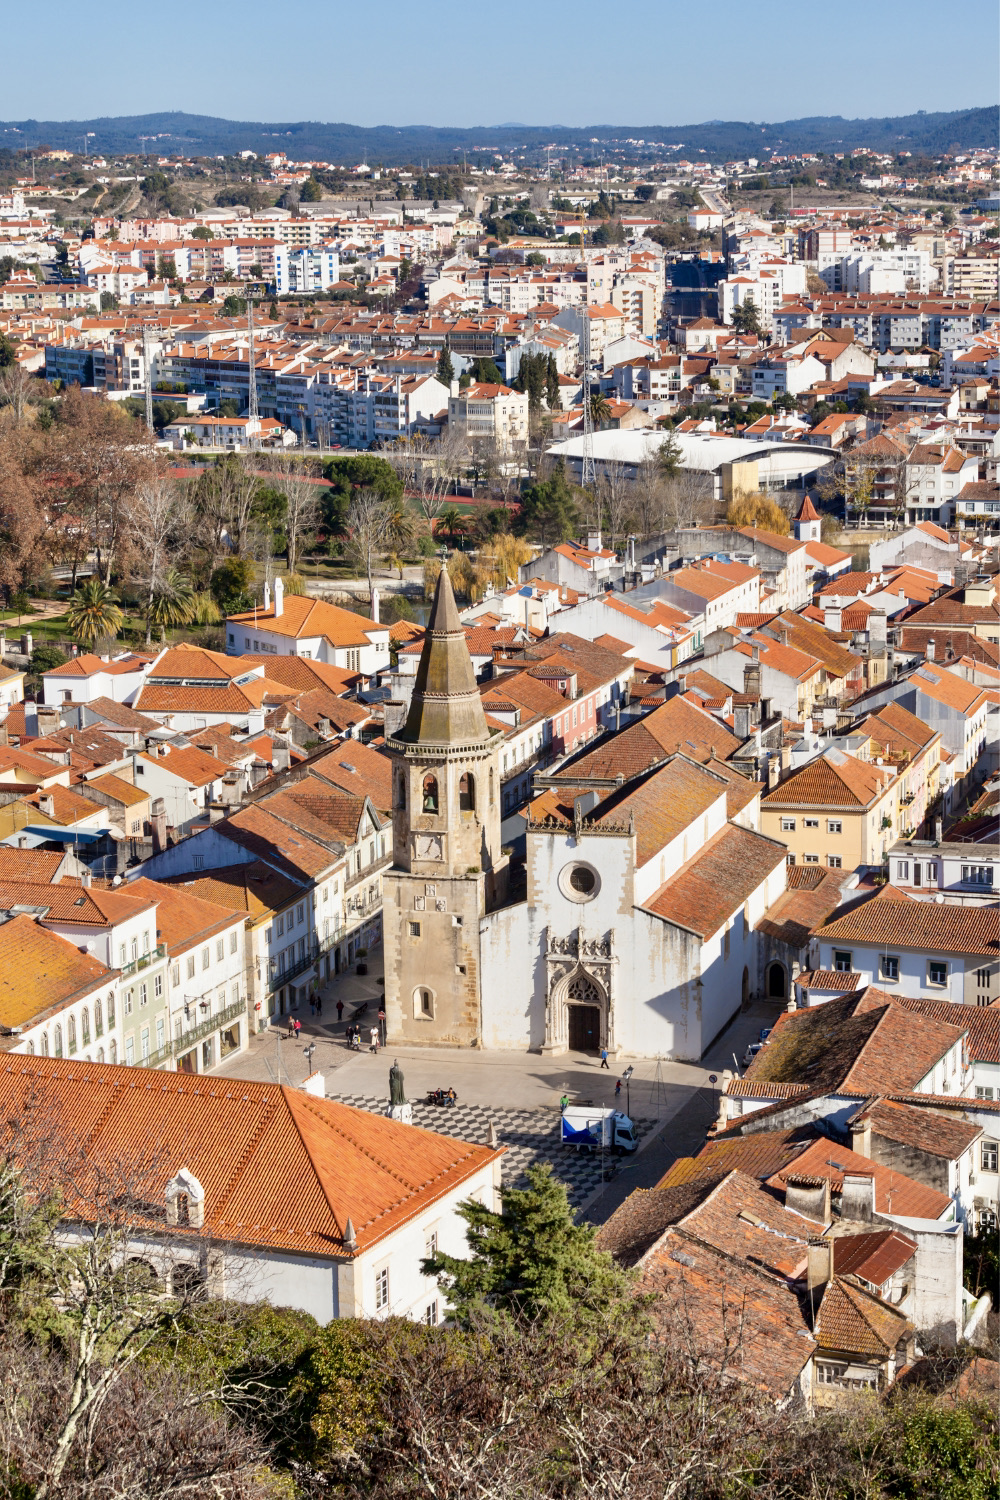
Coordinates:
(401, 1112)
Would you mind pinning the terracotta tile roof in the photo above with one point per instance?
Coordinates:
(39, 866)
(293, 1169)
(741, 1219)
(341, 714)
(359, 770)
(300, 674)
(981, 1022)
(919, 1129)
(714, 883)
(845, 1048)
(948, 688)
(70, 904)
(646, 1214)
(187, 662)
(833, 780)
(739, 791)
(68, 807)
(122, 791)
(121, 715)
(42, 972)
(810, 895)
(268, 838)
(302, 616)
(187, 763)
(695, 1285)
(895, 1193)
(917, 924)
(320, 810)
(35, 767)
(752, 1088)
(253, 889)
(872, 1257)
(897, 731)
(829, 979)
(759, 1155)
(183, 920)
(661, 804)
(856, 1321)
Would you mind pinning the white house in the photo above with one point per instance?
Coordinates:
(297, 625)
(274, 1193)
(87, 677)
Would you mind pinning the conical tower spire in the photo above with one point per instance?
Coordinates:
(446, 708)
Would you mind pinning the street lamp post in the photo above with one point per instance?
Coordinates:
(627, 1076)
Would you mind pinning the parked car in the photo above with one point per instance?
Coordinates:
(751, 1053)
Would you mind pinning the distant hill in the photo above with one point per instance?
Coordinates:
(204, 135)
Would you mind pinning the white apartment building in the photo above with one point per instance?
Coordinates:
(871, 272)
(312, 268)
(492, 413)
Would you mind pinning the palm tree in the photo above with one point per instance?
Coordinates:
(173, 603)
(399, 531)
(93, 612)
(450, 523)
(600, 410)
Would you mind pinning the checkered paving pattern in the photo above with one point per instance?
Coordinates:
(530, 1135)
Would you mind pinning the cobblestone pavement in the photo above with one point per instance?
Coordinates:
(530, 1135)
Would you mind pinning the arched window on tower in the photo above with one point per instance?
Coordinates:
(467, 793)
(430, 794)
(400, 801)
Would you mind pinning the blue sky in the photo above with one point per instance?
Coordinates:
(446, 63)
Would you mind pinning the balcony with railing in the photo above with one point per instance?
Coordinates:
(315, 950)
(191, 1035)
(136, 965)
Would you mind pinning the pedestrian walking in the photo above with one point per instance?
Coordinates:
(374, 1040)
(618, 1090)
(312, 1005)
(298, 1028)
(291, 1026)
(604, 1058)
(340, 1010)
(319, 1005)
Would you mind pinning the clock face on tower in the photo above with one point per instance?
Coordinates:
(427, 845)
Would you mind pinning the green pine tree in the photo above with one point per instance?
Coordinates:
(445, 368)
(552, 383)
(532, 1260)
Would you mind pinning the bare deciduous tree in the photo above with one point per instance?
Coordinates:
(369, 517)
(301, 500)
(160, 518)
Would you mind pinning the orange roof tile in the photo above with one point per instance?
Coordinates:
(294, 1168)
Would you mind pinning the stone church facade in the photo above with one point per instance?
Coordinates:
(638, 928)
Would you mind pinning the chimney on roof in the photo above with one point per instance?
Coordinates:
(820, 1262)
(861, 1136)
(857, 1196)
(754, 653)
(267, 595)
(281, 758)
(938, 831)
(47, 806)
(279, 597)
(324, 728)
(741, 721)
(85, 879)
(809, 1196)
(929, 649)
(375, 605)
(832, 616)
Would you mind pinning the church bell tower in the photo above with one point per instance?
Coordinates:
(448, 866)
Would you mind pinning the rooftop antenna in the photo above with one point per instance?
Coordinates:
(253, 421)
(147, 377)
